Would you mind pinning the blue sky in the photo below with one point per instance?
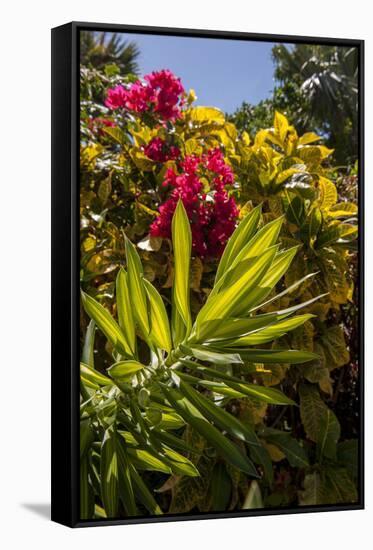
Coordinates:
(223, 73)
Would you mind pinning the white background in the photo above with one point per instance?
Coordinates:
(25, 271)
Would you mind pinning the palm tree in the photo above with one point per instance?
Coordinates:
(325, 78)
(100, 49)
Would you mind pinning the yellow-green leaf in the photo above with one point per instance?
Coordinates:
(144, 460)
(124, 370)
(263, 239)
(343, 210)
(124, 309)
(182, 245)
(328, 193)
(93, 378)
(159, 325)
(253, 499)
(242, 235)
(307, 138)
(136, 287)
(271, 332)
(109, 473)
(231, 300)
(219, 416)
(224, 446)
(281, 125)
(206, 115)
(106, 324)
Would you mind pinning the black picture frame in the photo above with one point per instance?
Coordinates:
(65, 269)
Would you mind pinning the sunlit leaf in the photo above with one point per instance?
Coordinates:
(109, 473)
(136, 287)
(124, 370)
(223, 445)
(182, 246)
(243, 233)
(124, 308)
(106, 323)
(159, 325)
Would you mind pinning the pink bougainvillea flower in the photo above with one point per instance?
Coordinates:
(160, 93)
(158, 150)
(116, 97)
(212, 216)
(167, 90)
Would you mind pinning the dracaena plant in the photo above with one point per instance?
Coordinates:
(133, 416)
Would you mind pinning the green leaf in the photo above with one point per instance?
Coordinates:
(159, 326)
(280, 265)
(222, 329)
(230, 300)
(219, 416)
(116, 134)
(340, 232)
(233, 327)
(242, 234)
(293, 451)
(261, 456)
(221, 488)
(106, 324)
(87, 502)
(224, 446)
(313, 493)
(179, 464)
(269, 355)
(329, 433)
(339, 487)
(109, 473)
(136, 288)
(216, 387)
(89, 344)
(264, 239)
(86, 436)
(124, 309)
(182, 245)
(93, 378)
(271, 332)
(177, 325)
(126, 493)
(312, 410)
(171, 421)
(328, 193)
(145, 460)
(295, 211)
(203, 353)
(315, 224)
(253, 499)
(143, 493)
(288, 290)
(343, 210)
(348, 455)
(268, 395)
(124, 370)
(174, 442)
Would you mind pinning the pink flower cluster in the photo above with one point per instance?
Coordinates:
(158, 150)
(160, 93)
(213, 216)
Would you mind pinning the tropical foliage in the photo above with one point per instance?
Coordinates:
(317, 87)
(218, 276)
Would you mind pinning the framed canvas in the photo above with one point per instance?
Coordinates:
(207, 274)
